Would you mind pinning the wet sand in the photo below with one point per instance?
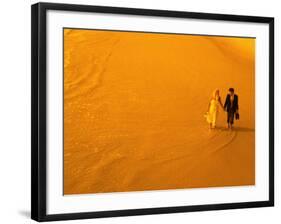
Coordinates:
(134, 106)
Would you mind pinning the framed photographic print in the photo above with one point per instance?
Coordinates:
(140, 111)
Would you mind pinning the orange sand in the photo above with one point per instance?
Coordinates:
(134, 106)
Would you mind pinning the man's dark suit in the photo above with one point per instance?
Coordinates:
(227, 104)
(231, 108)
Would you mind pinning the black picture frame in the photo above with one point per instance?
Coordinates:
(39, 107)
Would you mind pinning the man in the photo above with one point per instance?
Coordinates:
(231, 107)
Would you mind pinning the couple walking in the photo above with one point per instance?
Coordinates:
(230, 106)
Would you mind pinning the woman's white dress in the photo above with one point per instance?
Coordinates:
(213, 111)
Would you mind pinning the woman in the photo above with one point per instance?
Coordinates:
(213, 108)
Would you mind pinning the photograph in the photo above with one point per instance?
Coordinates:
(147, 111)
(140, 112)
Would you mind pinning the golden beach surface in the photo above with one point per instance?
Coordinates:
(134, 106)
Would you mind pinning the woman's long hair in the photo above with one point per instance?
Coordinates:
(215, 93)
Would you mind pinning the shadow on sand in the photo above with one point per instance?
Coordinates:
(243, 129)
(238, 129)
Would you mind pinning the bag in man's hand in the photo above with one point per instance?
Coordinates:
(237, 116)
